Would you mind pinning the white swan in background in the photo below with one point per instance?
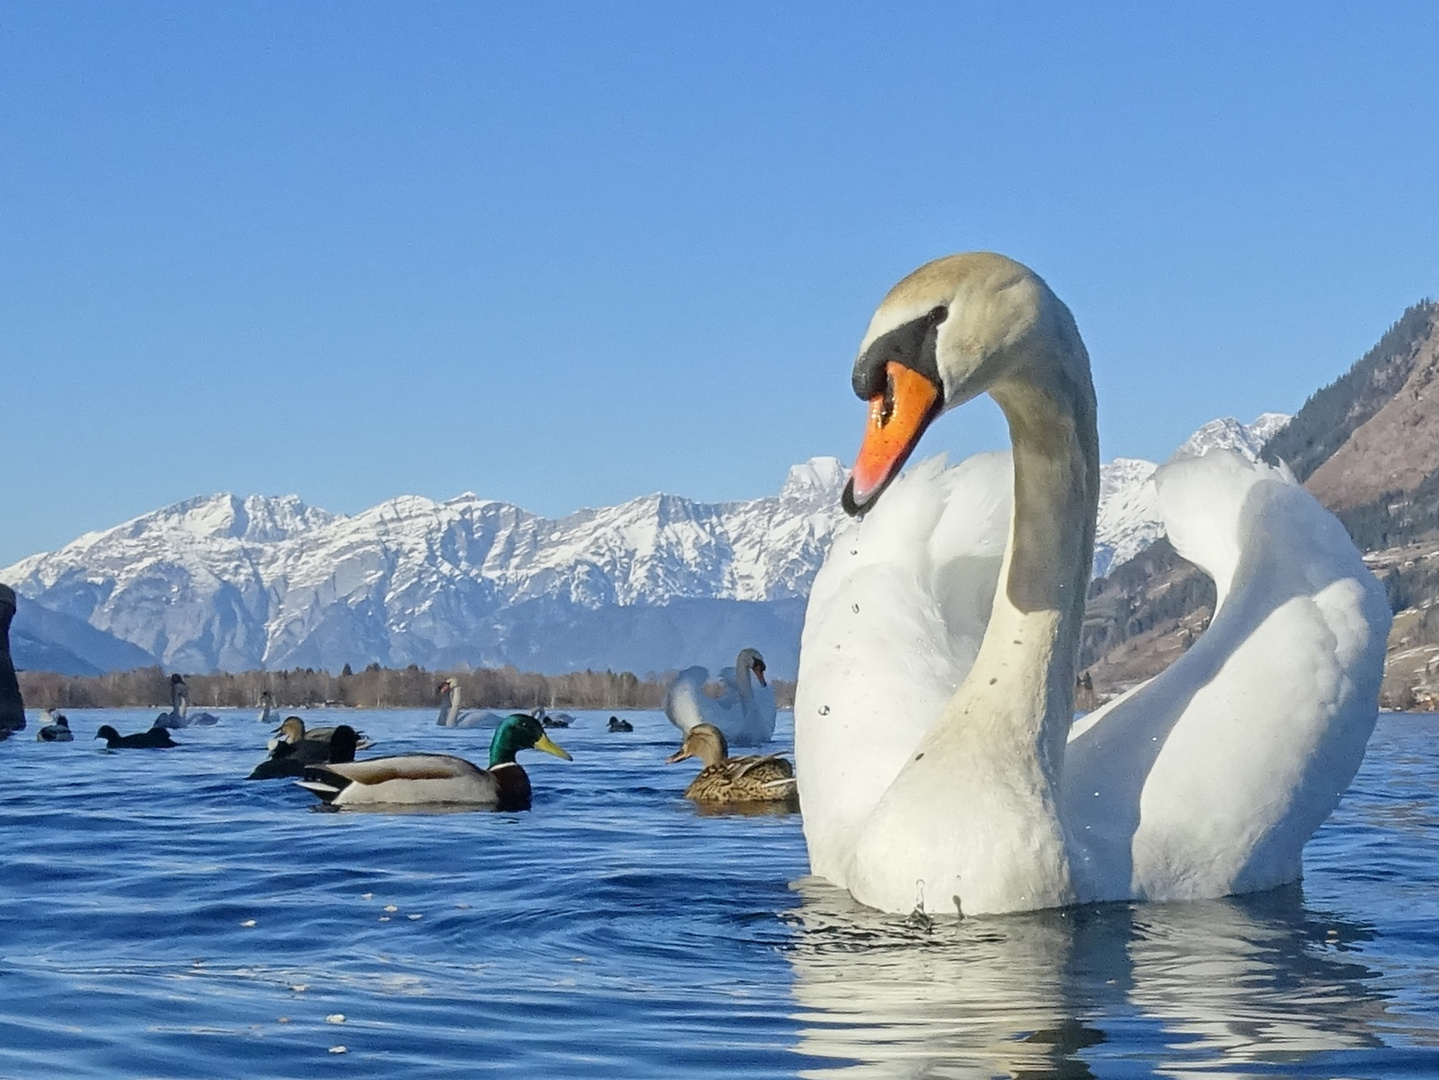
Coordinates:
(180, 715)
(745, 712)
(201, 718)
(267, 704)
(451, 714)
(934, 750)
(180, 707)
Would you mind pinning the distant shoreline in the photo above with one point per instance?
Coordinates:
(373, 687)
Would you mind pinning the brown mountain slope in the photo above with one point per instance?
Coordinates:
(1367, 446)
(1396, 448)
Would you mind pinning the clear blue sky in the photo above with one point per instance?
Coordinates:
(563, 255)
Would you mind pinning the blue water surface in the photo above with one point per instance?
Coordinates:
(162, 917)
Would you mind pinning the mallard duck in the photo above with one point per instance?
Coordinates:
(311, 745)
(56, 729)
(438, 779)
(291, 758)
(616, 724)
(759, 779)
(156, 737)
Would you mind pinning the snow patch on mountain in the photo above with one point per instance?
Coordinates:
(1228, 433)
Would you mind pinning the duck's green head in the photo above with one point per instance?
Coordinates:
(517, 732)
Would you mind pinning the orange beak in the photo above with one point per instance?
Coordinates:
(897, 418)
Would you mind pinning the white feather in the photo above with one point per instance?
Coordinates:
(893, 625)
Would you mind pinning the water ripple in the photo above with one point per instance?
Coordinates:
(163, 917)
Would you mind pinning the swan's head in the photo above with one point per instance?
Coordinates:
(291, 730)
(443, 688)
(750, 658)
(947, 333)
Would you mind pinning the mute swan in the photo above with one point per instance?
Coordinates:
(452, 716)
(180, 715)
(438, 779)
(267, 703)
(744, 713)
(1206, 781)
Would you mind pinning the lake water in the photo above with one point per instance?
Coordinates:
(164, 918)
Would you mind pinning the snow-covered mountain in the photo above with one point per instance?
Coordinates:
(659, 582)
(231, 583)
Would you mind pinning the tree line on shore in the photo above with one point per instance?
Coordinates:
(374, 687)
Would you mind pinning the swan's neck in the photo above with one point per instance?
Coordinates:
(1026, 664)
(450, 706)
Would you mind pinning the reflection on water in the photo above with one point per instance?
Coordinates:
(1247, 982)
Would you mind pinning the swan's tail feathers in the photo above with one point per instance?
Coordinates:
(685, 698)
(1231, 516)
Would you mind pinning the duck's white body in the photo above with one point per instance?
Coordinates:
(936, 761)
(745, 713)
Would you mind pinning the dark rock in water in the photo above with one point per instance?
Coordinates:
(12, 706)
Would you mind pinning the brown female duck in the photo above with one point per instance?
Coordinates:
(726, 780)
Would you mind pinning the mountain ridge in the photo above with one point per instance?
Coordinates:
(228, 582)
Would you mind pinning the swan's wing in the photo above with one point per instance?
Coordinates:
(729, 689)
(474, 719)
(894, 622)
(1209, 778)
(685, 701)
(779, 768)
